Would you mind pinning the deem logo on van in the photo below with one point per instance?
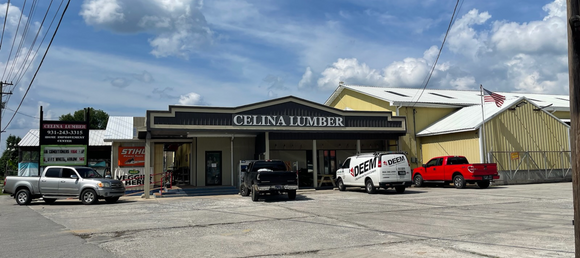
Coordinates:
(363, 167)
(396, 160)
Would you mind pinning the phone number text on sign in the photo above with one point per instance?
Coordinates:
(64, 132)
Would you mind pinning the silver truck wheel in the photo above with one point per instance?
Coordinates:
(23, 197)
(89, 196)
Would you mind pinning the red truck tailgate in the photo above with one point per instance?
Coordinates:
(481, 169)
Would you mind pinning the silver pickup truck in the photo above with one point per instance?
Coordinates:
(60, 182)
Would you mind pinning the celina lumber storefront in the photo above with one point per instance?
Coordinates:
(208, 145)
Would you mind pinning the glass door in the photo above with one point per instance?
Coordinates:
(329, 162)
(213, 168)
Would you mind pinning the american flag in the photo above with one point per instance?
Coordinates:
(489, 96)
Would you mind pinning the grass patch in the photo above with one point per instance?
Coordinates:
(1, 186)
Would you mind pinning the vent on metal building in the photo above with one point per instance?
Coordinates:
(440, 95)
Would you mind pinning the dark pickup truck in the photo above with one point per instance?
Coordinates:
(268, 176)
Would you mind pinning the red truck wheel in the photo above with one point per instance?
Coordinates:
(459, 182)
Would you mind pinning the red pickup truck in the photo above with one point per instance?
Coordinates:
(455, 169)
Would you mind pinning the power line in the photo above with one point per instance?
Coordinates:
(20, 113)
(438, 54)
(5, 19)
(39, 65)
(23, 71)
(13, 41)
(42, 41)
(22, 38)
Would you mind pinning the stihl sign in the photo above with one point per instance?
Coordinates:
(139, 151)
(131, 156)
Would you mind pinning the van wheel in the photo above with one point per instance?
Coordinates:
(370, 187)
(459, 182)
(292, 194)
(483, 184)
(89, 196)
(418, 180)
(49, 200)
(340, 184)
(400, 188)
(244, 191)
(23, 197)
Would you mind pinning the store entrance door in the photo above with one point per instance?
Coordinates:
(213, 168)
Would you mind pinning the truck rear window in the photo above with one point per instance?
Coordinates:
(274, 166)
(457, 161)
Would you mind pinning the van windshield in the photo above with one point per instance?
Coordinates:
(88, 173)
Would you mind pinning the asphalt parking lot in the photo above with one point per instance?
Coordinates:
(532, 220)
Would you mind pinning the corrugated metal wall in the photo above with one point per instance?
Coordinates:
(524, 130)
(460, 144)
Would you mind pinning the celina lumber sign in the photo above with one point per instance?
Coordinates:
(131, 156)
(297, 121)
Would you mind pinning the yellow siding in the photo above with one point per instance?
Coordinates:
(360, 102)
(562, 114)
(460, 144)
(423, 118)
(158, 163)
(524, 130)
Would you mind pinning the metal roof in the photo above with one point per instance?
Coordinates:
(96, 138)
(470, 118)
(119, 127)
(30, 139)
(447, 98)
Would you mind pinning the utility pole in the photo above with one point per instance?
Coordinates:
(1, 108)
(574, 80)
(2, 103)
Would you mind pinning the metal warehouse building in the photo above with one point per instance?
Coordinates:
(528, 136)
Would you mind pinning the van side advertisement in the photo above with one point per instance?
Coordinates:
(131, 156)
(63, 155)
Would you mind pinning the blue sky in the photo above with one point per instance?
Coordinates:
(128, 56)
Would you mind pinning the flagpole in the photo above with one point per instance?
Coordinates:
(482, 127)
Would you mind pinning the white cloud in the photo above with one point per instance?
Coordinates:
(502, 55)
(307, 79)
(348, 70)
(102, 12)
(411, 72)
(190, 99)
(547, 35)
(464, 39)
(463, 83)
(178, 27)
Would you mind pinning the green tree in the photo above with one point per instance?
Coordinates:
(98, 118)
(9, 159)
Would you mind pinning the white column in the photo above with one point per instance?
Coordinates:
(267, 154)
(147, 165)
(314, 164)
(232, 159)
(357, 146)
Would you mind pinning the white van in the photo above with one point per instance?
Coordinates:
(375, 170)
